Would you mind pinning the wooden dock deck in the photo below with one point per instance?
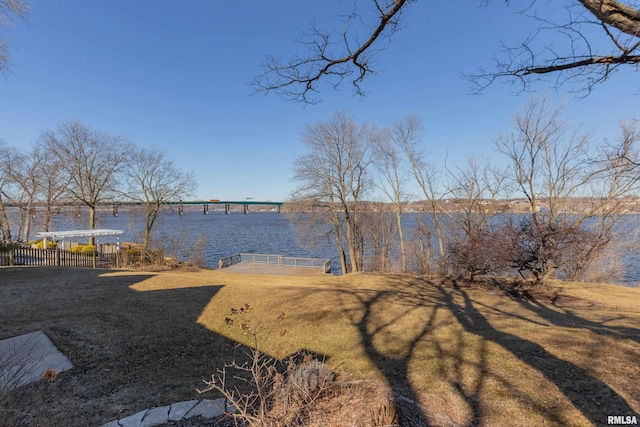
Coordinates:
(251, 268)
(251, 263)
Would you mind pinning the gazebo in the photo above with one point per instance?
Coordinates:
(54, 235)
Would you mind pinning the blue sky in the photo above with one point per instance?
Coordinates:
(174, 75)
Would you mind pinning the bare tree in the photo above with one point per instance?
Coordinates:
(152, 179)
(334, 173)
(92, 162)
(24, 170)
(554, 167)
(54, 183)
(27, 180)
(380, 231)
(409, 136)
(596, 38)
(474, 202)
(5, 227)
(394, 172)
(10, 11)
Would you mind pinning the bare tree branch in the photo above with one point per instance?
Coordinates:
(10, 11)
(625, 18)
(596, 38)
(298, 79)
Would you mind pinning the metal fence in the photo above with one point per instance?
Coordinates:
(282, 261)
(56, 257)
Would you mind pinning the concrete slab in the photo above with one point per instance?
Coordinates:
(25, 358)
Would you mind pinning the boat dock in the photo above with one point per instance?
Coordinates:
(248, 263)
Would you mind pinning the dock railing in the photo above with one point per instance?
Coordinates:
(280, 260)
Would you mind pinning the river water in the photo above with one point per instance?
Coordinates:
(259, 232)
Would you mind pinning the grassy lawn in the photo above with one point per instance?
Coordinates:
(567, 355)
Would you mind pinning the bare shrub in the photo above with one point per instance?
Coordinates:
(297, 391)
(177, 251)
(481, 253)
(420, 248)
(380, 232)
(304, 382)
(276, 391)
(197, 250)
(546, 249)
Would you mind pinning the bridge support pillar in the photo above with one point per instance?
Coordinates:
(246, 208)
(205, 209)
(115, 209)
(227, 208)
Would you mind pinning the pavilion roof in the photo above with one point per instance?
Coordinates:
(77, 233)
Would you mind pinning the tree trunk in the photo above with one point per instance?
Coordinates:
(27, 220)
(353, 242)
(5, 230)
(48, 214)
(403, 254)
(152, 214)
(335, 220)
(92, 223)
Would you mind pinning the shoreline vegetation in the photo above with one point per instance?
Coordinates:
(485, 353)
(575, 205)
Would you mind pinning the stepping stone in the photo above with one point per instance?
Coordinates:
(180, 409)
(207, 409)
(156, 416)
(133, 420)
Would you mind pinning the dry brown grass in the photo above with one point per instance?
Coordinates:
(468, 355)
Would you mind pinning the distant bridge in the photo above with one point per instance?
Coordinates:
(205, 205)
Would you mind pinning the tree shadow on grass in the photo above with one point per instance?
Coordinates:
(392, 353)
(566, 318)
(462, 360)
(588, 397)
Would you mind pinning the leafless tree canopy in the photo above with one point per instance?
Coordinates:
(550, 164)
(10, 11)
(151, 178)
(591, 41)
(335, 175)
(91, 161)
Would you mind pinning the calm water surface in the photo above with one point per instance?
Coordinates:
(256, 232)
(262, 232)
